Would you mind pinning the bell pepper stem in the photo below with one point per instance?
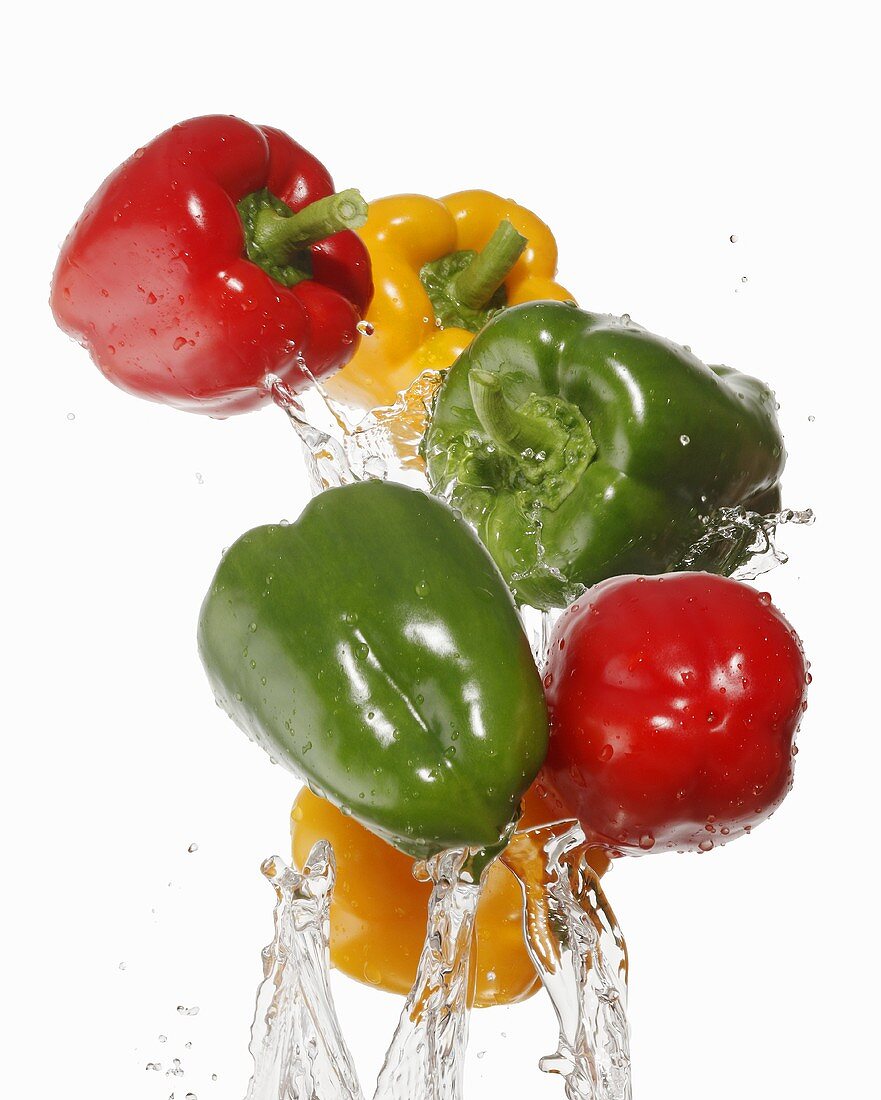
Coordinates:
(489, 268)
(279, 236)
(511, 432)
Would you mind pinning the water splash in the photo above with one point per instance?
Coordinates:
(579, 953)
(572, 937)
(740, 543)
(298, 1048)
(321, 429)
(341, 446)
(539, 626)
(296, 1042)
(427, 1056)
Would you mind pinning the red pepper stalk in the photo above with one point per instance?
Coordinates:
(216, 255)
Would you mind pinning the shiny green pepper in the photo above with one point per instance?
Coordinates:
(582, 447)
(372, 648)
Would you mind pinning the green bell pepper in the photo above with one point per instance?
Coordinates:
(581, 447)
(373, 648)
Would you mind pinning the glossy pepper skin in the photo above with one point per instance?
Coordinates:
(674, 706)
(154, 278)
(373, 648)
(403, 233)
(582, 446)
(378, 911)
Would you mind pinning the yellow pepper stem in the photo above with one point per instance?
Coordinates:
(489, 268)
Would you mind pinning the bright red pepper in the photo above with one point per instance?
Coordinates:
(674, 704)
(154, 278)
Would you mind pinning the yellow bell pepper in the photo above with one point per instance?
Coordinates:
(408, 334)
(378, 911)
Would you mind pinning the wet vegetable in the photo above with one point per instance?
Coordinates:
(214, 256)
(582, 446)
(674, 707)
(378, 913)
(441, 267)
(373, 648)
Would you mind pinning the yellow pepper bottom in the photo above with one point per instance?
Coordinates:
(378, 913)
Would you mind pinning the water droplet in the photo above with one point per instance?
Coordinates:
(71, 416)
(179, 342)
(252, 627)
(606, 753)
(163, 1038)
(362, 651)
(733, 238)
(423, 589)
(184, 1011)
(193, 848)
(685, 440)
(176, 1070)
(366, 328)
(153, 1067)
(646, 842)
(764, 598)
(706, 845)
(122, 966)
(812, 418)
(743, 279)
(375, 467)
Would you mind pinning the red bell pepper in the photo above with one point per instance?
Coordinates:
(189, 280)
(674, 703)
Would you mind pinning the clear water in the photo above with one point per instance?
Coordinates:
(297, 1045)
(426, 1058)
(298, 1049)
(579, 953)
(742, 534)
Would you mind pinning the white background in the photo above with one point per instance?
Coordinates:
(645, 134)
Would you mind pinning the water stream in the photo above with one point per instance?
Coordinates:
(579, 953)
(298, 1048)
